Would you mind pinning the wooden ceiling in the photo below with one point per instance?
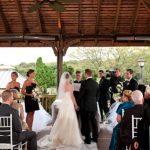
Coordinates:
(88, 23)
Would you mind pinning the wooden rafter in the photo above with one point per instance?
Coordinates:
(68, 44)
(117, 16)
(135, 16)
(79, 19)
(19, 10)
(3, 21)
(98, 16)
(148, 25)
(39, 19)
(146, 5)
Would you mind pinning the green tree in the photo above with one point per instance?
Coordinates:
(45, 75)
(22, 68)
(68, 68)
(108, 58)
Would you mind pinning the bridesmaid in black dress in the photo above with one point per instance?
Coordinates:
(13, 84)
(31, 104)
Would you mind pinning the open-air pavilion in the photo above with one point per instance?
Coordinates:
(90, 23)
(87, 24)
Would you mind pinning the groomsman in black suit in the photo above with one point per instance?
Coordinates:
(130, 83)
(115, 80)
(103, 94)
(18, 134)
(76, 92)
(88, 95)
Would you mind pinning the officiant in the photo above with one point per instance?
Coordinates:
(77, 84)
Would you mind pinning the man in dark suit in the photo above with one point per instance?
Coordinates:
(76, 92)
(18, 134)
(124, 135)
(130, 83)
(103, 94)
(88, 95)
(115, 80)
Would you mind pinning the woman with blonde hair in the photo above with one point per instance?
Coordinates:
(127, 103)
(13, 84)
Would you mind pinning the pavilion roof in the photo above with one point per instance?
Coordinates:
(88, 23)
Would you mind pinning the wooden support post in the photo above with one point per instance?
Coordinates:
(60, 49)
(59, 64)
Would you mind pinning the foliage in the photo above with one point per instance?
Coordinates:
(22, 68)
(95, 59)
(112, 57)
(68, 68)
(45, 75)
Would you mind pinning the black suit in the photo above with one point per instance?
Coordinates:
(77, 93)
(88, 97)
(18, 134)
(130, 85)
(104, 95)
(124, 135)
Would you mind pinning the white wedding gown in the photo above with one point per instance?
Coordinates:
(112, 115)
(41, 118)
(65, 131)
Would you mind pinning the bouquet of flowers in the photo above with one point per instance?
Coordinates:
(119, 87)
(36, 94)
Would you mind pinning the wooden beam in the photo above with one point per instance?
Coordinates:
(98, 16)
(146, 6)
(68, 44)
(148, 25)
(79, 19)
(50, 44)
(135, 16)
(39, 19)
(19, 10)
(117, 16)
(59, 64)
(3, 21)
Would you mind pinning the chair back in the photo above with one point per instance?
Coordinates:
(135, 121)
(6, 127)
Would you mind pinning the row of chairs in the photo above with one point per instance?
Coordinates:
(6, 131)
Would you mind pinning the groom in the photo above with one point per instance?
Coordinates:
(88, 107)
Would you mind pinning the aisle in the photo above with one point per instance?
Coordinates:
(92, 146)
(104, 137)
(103, 140)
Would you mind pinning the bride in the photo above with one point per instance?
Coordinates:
(65, 131)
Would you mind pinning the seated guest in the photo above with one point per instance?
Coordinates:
(124, 133)
(19, 107)
(143, 126)
(18, 134)
(127, 103)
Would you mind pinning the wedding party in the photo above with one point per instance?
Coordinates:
(74, 74)
(81, 107)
